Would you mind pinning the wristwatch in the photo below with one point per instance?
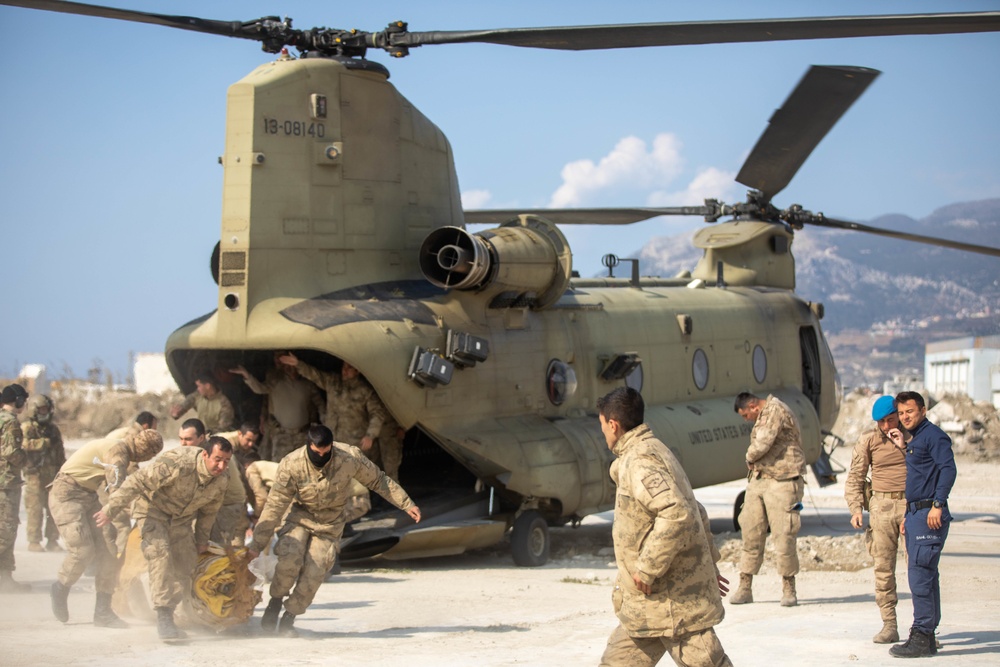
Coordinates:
(938, 504)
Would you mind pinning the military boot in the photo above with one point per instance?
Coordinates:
(286, 628)
(788, 597)
(36, 547)
(919, 645)
(888, 634)
(104, 616)
(744, 593)
(165, 625)
(269, 621)
(60, 597)
(8, 585)
(53, 546)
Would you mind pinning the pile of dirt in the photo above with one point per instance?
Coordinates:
(84, 410)
(817, 553)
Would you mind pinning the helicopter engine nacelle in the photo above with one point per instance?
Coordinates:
(524, 262)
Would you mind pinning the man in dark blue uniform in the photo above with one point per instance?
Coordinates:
(930, 474)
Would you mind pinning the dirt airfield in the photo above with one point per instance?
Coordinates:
(479, 609)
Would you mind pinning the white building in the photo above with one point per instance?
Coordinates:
(151, 374)
(969, 366)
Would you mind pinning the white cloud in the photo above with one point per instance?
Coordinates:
(709, 183)
(628, 164)
(475, 199)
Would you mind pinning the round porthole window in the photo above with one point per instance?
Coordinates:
(699, 368)
(634, 378)
(759, 364)
(560, 381)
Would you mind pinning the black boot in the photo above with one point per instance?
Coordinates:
(919, 645)
(104, 616)
(60, 597)
(269, 621)
(165, 625)
(287, 626)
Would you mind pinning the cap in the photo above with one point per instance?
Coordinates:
(884, 406)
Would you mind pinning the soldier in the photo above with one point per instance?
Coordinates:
(774, 493)
(314, 480)
(354, 412)
(74, 501)
(292, 404)
(231, 521)
(212, 406)
(876, 451)
(389, 448)
(116, 533)
(244, 441)
(43, 448)
(184, 487)
(12, 459)
(260, 479)
(667, 596)
(930, 475)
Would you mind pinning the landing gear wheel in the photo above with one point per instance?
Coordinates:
(737, 508)
(529, 540)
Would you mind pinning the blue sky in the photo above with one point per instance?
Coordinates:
(110, 133)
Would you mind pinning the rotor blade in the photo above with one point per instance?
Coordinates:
(823, 221)
(224, 28)
(583, 38)
(823, 95)
(586, 216)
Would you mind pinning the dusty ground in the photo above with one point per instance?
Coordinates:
(479, 609)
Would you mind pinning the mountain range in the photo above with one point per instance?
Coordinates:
(884, 298)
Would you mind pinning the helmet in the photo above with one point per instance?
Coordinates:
(884, 406)
(40, 407)
(144, 445)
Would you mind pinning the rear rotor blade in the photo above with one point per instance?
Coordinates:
(583, 38)
(822, 96)
(822, 221)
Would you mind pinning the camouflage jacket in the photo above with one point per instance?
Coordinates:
(887, 462)
(353, 410)
(176, 486)
(12, 457)
(43, 447)
(776, 443)
(113, 454)
(662, 533)
(318, 496)
(216, 413)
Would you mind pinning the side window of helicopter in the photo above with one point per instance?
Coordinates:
(759, 364)
(634, 378)
(560, 381)
(699, 368)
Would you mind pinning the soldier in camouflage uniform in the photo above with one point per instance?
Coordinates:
(292, 404)
(314, 481)
(43, 447)
(232, 523)
(774, 493)
(668, 593)
(212, 406)
(875, 451)
(99, 464)
(116, 532)
(176, 499)
(389, 448)
(12, 459)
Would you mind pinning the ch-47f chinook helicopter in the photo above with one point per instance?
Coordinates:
(343, 239)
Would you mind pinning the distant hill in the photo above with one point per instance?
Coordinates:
(885, 298)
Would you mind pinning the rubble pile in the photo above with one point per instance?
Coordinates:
(85, 410)
(825, 553)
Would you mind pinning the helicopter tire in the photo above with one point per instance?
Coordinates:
(737, 508)
(529, 540)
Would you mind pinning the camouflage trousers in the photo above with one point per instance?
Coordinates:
(36, 506)
(282, 441)
(116, 532)
(73, 508)
(698, 649)
(171, 555)
(883, 539)
(10, 505)
(775, 504)
(388, 455)
(231, 525)
(304, 560)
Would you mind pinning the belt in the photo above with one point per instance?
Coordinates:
(895, 495)
(918, 505)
